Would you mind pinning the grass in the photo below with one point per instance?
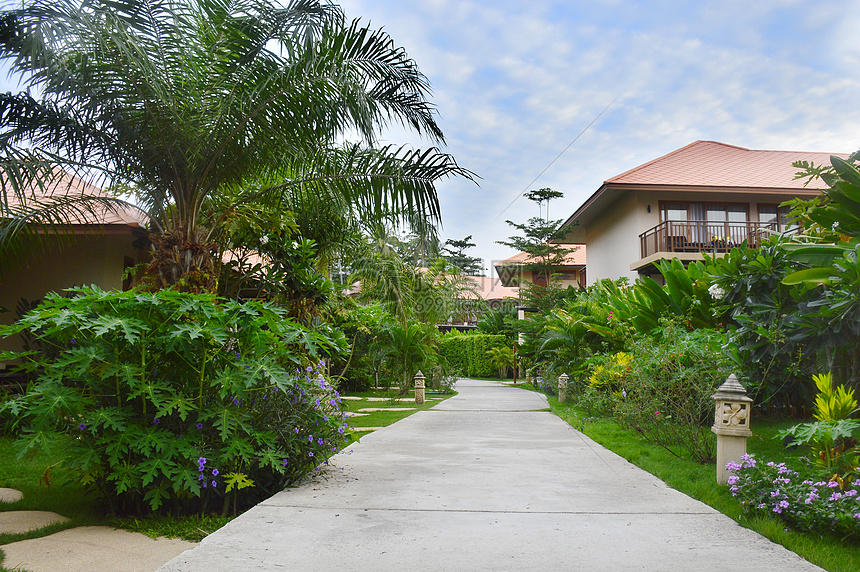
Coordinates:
(385, 418)
(699, 482)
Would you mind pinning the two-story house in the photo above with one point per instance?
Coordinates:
(705, 197)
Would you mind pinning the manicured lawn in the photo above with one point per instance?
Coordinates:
(699, 482)
(392, 400)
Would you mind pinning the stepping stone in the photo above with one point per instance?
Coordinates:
(348, 414)
(89, 548)
(20, 521)
(10, 495)
(371, 409)
(351, 397)
(357, 429)
(401, 399)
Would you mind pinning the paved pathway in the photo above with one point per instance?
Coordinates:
(484, 481)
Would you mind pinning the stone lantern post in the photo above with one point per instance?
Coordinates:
(562, 387)
(419, 388)
(731, 424)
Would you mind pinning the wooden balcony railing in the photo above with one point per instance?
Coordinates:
(703, 236)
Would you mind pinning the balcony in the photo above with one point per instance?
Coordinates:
(699, 236)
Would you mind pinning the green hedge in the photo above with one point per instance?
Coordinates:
(468, 353)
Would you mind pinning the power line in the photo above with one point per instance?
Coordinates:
(605, 109)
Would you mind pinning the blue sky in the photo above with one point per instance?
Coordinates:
(515, 82)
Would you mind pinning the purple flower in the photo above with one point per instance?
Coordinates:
(73, 341)
(214, 484)
(214, 473)
(201, 478)
(235, 401)
(156, 420)
(857, 515)
(311, 454)
(340, 430)
(320, 441)
(310, 438)
(238, 355)
(201, 461)
(733, 479)
(200, 425)
(286, 462)
(309, 368)
(82, 426)
(203, 484)
(783, 503)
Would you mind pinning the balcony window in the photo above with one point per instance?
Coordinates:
(776, 216)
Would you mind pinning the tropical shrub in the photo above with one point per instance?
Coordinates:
(501, 321)
(609, 373)
(771, 351)
(467, 353)
(805, 502)
(667, 396)
(833, 437)
(440, 379)
(176, 399)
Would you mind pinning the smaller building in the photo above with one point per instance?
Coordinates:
(513, 271)
(95, 247)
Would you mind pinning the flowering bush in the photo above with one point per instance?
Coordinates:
(667, 397)
(806, 504)
(172, 397)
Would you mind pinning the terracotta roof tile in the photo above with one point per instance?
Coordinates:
(490, 288)
(575, 258)
(709, 163)
(72, 187)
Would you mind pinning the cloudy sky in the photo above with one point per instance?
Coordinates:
(516, 82)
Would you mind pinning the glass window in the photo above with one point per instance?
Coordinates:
(777, 216)
(736, 213)
(676, 212)
(767, 213)
(716, 213)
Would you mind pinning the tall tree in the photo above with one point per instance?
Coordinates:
(181, 100)
(544, 257)
(456, 256)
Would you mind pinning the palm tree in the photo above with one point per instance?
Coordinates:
(178, 101)
(409, 346)
(503, 359)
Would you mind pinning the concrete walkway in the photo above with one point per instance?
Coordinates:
(484, 481)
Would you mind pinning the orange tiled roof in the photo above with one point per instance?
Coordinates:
(575, 258)
(491, 288)
(713, 164)
(71, 187)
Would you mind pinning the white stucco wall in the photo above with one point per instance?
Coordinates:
(613, 238)
(73, 261)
